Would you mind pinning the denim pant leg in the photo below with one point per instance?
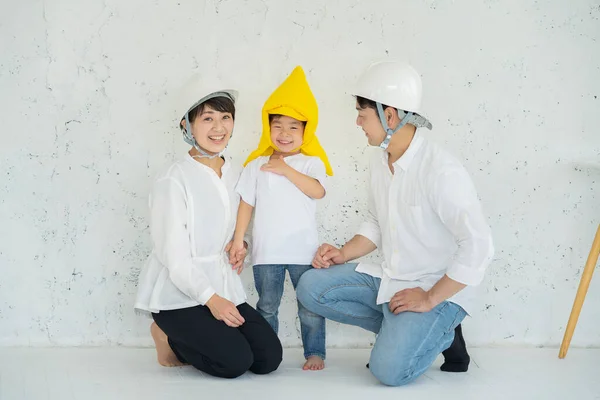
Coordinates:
(408, 343)
(312, 326)
(343, 295)
(268, 280)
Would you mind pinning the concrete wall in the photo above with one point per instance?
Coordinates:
(512, 88)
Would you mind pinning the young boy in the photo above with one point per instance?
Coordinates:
(282, 180)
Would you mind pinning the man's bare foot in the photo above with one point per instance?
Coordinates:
(314, 363)
(166, 357)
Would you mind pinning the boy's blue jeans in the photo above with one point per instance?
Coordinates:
(406, 344)
(269, 280)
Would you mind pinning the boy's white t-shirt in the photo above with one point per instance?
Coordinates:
(285, 226)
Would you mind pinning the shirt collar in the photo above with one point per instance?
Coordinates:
(409, 155)
(224, 169)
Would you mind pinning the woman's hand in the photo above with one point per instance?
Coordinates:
(224, 310)
(237, 254)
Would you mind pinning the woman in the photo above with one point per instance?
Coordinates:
(192, 289)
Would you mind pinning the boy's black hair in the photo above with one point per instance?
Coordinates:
(273, 116)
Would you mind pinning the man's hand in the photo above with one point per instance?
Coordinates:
(328, 255)
(415, 300)
(224, 310)
(276, 165)
(237, 253)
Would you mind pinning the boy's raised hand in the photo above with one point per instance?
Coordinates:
(276, 165)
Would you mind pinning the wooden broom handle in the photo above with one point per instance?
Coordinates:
(584, 284)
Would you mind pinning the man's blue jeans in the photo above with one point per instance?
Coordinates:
(407, 344)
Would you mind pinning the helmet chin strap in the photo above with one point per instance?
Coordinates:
(389, 132)
(191, 140)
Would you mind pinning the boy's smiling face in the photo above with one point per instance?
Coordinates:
(287, 133)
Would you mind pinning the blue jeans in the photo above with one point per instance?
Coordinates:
(269, 280)
(406, 344)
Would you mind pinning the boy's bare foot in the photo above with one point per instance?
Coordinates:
(314, 363)
(166, 357)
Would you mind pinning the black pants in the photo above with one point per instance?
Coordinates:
(211, 346)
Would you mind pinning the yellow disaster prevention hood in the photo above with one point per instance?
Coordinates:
(293, 98)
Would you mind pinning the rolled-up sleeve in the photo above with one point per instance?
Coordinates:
(168, 221)
(455, 200)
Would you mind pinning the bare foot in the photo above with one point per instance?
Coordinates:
(314, 363)
(166, 357)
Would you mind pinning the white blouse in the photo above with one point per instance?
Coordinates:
(192, 219)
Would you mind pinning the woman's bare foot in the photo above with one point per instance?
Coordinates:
(314, 363)
(166, 357)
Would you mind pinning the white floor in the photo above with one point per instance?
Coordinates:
(126, 373)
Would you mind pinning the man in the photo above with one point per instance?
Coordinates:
(425, 217)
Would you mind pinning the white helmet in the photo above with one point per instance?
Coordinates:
(195, 91)
(394, 84)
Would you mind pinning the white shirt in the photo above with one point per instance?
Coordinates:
(427, 221)
(285, 225)
(192, 219)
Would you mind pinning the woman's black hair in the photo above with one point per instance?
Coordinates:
(221, 104)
